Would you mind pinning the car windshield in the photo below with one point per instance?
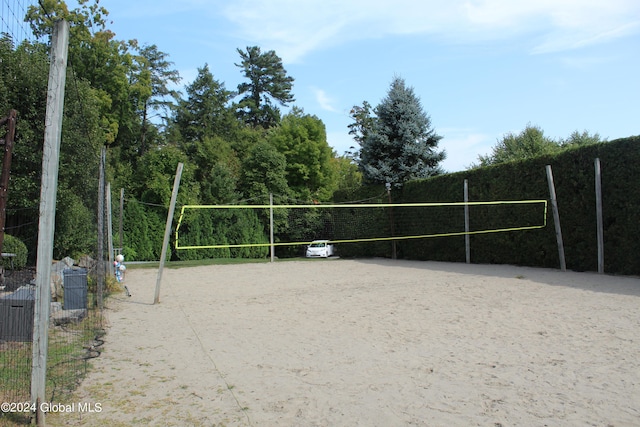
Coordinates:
(317, 245)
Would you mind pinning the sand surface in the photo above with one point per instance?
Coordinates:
(367, 343)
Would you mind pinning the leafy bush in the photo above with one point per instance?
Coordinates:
(14, 245)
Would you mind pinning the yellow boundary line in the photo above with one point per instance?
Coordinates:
(364, 205)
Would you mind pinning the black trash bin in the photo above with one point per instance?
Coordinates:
(16, 315)
(75, 288)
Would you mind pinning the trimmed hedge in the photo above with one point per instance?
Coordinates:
(574, 177)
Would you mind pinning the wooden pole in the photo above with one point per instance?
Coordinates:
(46, 223)
(599, 224)
(271, 227)
(467, 240)
(101, 267)
(109, 229)
(556, 218)
(7, 142)
(394, 250)
(167, 231)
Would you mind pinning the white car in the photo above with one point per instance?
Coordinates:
(320, 248)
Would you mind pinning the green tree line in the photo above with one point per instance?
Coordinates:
(237, 145)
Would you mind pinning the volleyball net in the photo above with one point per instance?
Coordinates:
(241, 230)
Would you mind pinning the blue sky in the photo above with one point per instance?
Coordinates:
(481, 68)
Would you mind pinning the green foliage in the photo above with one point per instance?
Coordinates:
(199, 229)
(219, 187)
(145, 218)
(246, 150)
(620, 162)
(13, 245)
(372, 225)
(23, 81)
(154, 69)
(349, 177)
(81, 144)
(105, 64)
(264, 172)
(114, 87)
(363, 122)
(400, 145)
(204, 114)
(27, 71)
(574, 177)
(268, 82)
(531, 143)
(76, 231)
(143, 231)
(208, 227)
(216, 168)
(528, 144)
(156, 172)
(505, 182)
(303, 141)
(87, 17)
(577, 139)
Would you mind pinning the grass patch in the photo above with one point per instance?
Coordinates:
(69, 352)
(15, 371)
(207, 262)
(193, 263)
(71, 347)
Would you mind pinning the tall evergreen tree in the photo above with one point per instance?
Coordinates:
(268, 82)
(362, 124)
(155, 70)
(401, 144)
(205, 112)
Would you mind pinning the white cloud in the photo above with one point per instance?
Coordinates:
(463, 147)
(325, 102)
(296, 27)
(560, 41)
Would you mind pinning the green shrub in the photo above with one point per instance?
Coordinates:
(14, 245)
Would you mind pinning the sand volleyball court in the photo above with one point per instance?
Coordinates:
(368, 343)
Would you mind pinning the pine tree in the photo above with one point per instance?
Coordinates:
(401, 144)
(268, 82)
(204, 113)
(155, 70)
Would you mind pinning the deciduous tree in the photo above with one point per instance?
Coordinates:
(302, 139)
(531, 142)
(264, 171)
(581, 138)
